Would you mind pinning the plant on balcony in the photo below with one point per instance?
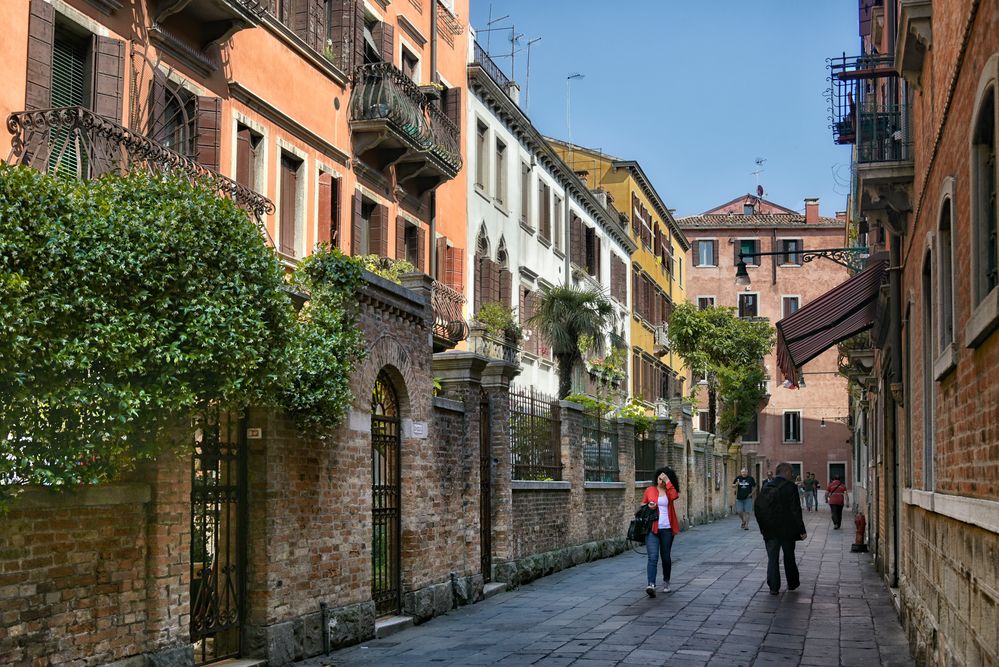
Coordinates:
(564, 313)
(730, 350)
(637, 412)
(499, 321)
(388, 268)
(115, 326)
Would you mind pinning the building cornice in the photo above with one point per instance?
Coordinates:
(481, 84)
(653, 196)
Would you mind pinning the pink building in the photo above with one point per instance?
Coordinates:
(806, 426)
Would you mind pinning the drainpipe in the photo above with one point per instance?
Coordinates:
(895, 287)
(433, 42)
(433, 195)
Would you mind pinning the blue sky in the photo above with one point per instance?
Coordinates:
(693, 90)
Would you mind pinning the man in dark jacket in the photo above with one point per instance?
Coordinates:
(780, 522)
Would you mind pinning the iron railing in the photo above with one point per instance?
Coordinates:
(482, 59)
(600, 448)
(883, 134)
(382, 92)
(535, 435)
(77, 143)
(447, 303)
(645, 456)
(660, 336)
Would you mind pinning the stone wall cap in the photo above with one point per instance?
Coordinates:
(604, 485)
(539, 485)
(40, 497)
(448, 404)
(571, 405)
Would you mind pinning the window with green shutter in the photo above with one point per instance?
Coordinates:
(69, 77)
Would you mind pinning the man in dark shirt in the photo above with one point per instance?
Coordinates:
(744, 485)
(811, 486)
(779, 518)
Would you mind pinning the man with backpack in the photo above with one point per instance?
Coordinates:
(778, 513)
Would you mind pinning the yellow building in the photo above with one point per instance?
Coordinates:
(658, 274)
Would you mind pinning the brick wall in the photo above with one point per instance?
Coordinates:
(539, 521)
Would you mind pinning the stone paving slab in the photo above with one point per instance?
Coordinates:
(719, 613)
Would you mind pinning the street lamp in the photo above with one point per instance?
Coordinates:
(845, 257)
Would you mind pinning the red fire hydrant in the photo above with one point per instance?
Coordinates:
(861, 523)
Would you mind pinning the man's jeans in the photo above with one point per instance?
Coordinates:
(811, 500)
(774, 547)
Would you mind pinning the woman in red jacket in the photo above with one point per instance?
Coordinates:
(836, 497)
(659, 541)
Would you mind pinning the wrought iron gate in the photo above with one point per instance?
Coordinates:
(386, 469)
(218, 536)
(485, 492)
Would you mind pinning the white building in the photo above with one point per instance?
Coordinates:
(532, 223)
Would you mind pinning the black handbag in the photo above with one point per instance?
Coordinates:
(642, 523)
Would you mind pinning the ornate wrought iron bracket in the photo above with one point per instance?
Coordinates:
(850, 258)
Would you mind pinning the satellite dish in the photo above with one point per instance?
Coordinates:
(759, 190)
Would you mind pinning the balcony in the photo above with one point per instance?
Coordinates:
(450, 327)
(188, 29)
(393, 124)
(76, 142)
(493, 346)
(660, 336)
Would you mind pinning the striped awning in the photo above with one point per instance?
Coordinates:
(843, 311)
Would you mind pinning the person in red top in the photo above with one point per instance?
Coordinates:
(836, 497)
(659, 541)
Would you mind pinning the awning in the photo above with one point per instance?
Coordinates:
(843, 311)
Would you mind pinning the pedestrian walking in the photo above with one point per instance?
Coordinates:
(744, 485)
(659, 540)
(811, 486)
(801, 491)
(836, 497)
(779, 517)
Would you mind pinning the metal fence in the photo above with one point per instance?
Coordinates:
(600, 449)
(535, 436)
(645, 456)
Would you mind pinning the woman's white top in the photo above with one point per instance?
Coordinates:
(663, 512)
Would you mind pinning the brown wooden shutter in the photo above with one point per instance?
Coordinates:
(209, 131)
(441, 267)
(308, 20)
(421, 249)
(108, 77)
(244, 160)
(379, 231)
(480, 279)
(597, 256)
(452, 107)
(325, 221)
(636, 287)
(454, 275)
(577, 252)
(357, 224)
(289, 187)
(636, 225)
(400, 238)
(41, 36)
(384, 33)
(505, 287)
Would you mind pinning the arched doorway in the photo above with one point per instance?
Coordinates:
(385, 495)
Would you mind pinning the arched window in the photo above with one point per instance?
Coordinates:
(929, 386)
(945, 271)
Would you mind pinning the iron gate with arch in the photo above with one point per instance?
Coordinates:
(386, 491)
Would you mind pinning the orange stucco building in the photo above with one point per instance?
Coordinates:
(344, 114)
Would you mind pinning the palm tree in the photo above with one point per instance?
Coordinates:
(565, 313)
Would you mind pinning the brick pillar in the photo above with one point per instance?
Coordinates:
(664, 430)
(626, 467)
(573, 469)
(496, 387)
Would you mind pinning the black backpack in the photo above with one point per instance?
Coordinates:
(767, 506)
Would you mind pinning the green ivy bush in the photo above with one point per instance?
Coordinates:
(499, 321)
(131, 302)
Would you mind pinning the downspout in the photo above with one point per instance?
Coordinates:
(433, 195)
(895, 287)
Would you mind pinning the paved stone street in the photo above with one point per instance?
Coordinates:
(719, 613)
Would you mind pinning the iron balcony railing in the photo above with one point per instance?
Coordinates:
(382, 92)
(660, 336)
(482, 59)
(883, 133)
(77, 143)
(447, 303)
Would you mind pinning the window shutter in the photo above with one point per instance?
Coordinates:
(286, 236)
(505, 287)
(441, 254)
(596, 256)
(379, 231)
(244, 161)
(357, 225)
(455, 268)
(325, 220)
(494, 282)
(421, 249)
(636, 225)
(480, 279)
(209, 126)
(41, 35)
(108, 77)
(384, 34)
(308, 18)
(576, 250)
(452, 107)
(400, 238)
(635, 293)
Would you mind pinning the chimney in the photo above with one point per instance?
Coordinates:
(512, 91)
(841, 216)
(811, 210)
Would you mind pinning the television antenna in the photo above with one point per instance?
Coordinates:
(756, 172)
(527, 82)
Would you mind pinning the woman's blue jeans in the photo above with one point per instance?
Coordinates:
(659, 546)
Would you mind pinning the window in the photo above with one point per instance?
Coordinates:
(481, 155)
(557, 224)
(370, 227)
(983, 166)
(790, 251)
(945, 261)
(249, 158)
(929, 388)
(679, 271)
(328, 220)
(704, 421)
(752, 432)
(499, 192)
(749, 305)
(792, 426)
(788, 305)
(747, 248)
(410, 65)
(412, 242)
(545, 210)
(707, 253)
(592, 252)
(796, 469)
(748, 209)
(705, 302)
(291, 209)
(525, 193)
